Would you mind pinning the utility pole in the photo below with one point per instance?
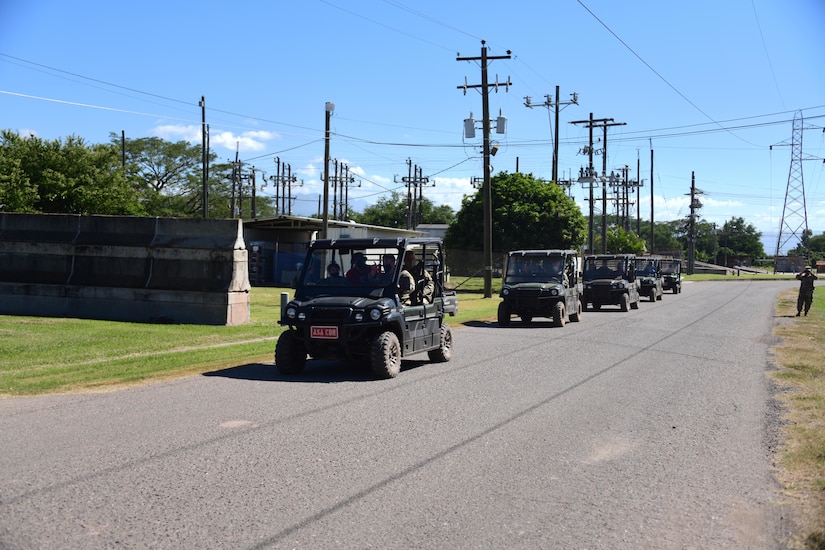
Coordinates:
(290, 179)
(603, 123)
(638, 196)
(652, 242)
(204, 159)
(328, 108)
(349, 179)
(487, 195)
(588, 176)
(548, 102)
(340, 181)
(253, 182)
(276, 179)
(415, 182)
(236, 172)
(695, 204)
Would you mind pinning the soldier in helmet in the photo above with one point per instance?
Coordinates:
(806, 290)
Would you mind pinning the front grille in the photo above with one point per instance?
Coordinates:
(329, 316)
(527, 297)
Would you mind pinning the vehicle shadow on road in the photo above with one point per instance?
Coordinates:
(318, 371)
(515, 323)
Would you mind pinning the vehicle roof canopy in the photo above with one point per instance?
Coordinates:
(610, 256)
(377, 242)
(549, 252)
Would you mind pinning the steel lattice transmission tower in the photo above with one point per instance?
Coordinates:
(794, 214)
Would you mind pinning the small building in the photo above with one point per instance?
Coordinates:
(433, 229)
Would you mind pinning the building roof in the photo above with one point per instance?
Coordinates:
(316, 224)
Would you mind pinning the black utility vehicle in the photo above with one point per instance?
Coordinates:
(649, 274)
(672, 275)
(610, 279)
(541, 283)
(372, 300)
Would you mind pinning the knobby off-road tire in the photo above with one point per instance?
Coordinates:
(385, 355)
(653, 295)
(444, 351)
(503, 315)
(558, 314)
(577, 315)
(635, 305)
(290, 355)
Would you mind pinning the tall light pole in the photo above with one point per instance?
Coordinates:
(329, 108)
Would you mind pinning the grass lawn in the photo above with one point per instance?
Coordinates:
(801, 373)
(49, 355)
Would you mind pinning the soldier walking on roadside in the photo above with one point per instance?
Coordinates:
(806, 290)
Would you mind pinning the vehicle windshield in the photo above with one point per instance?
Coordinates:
(534, 269)
(603, 268)
(671, 267)
(646, 269)
(361, 272)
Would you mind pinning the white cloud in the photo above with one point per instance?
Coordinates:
(251, 141)
(449, 191)
(178, 132)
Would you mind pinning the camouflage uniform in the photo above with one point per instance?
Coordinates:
(806, 291)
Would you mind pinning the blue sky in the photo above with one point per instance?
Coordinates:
(709, 86)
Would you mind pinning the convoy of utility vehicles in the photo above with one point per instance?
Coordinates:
(376, 301)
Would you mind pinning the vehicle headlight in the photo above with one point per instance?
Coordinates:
(290, 313)
(302, 316)
(359, 316)
(618, 284)
(505, 292)
(554, 292)
(375, 314)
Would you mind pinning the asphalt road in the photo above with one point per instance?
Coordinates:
(647, 429)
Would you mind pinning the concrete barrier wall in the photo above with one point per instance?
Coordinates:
(124, 268)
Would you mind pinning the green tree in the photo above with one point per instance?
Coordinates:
(809, 246)
(169, 178)
(620, 241)
(816, 246)
(63, 176)
(526, 214)
(392, 212)
(664, 237)
(167, 175)
(738, 238)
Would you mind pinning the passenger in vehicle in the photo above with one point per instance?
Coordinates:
(360, 274)
(415, 283)
(334, 276)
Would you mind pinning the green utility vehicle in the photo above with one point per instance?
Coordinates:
(672, 275)
(375, 301)
(649, 274)
(541, 283)
(610, 279)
